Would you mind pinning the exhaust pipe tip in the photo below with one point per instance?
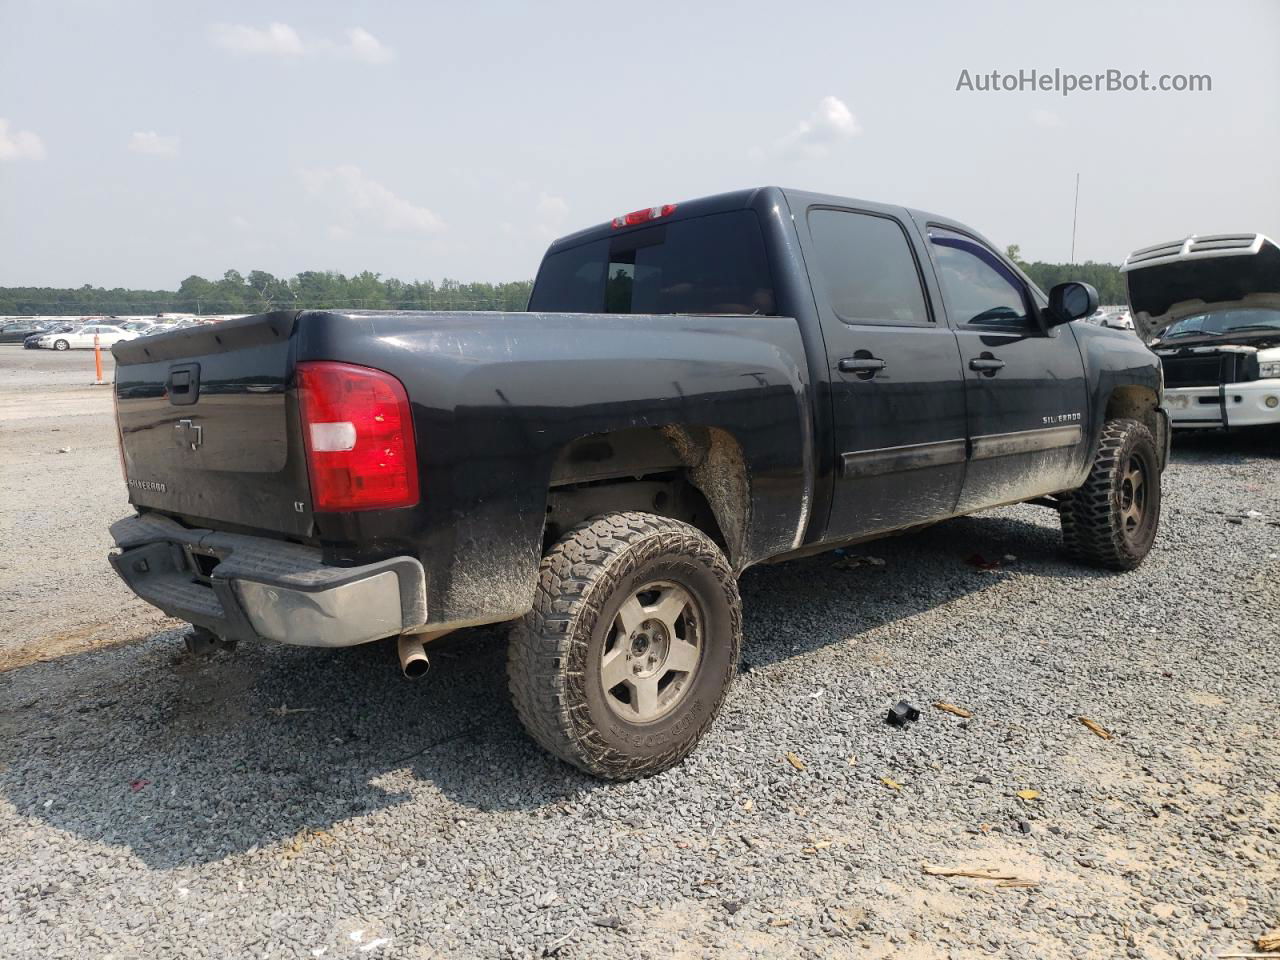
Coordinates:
(413, 657)
(416, 668)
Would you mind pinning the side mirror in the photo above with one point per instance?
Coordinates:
(1071, 301)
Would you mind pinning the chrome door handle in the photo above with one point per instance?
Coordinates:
(988, 365)
(861, 364)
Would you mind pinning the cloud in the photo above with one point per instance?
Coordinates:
(1046, 119)
(274, 40)
(350, 191)
(831, 123)
(365, 47)
(19, 144)
(153, 144)
(550, 213)
(552, 209)
(281, 40)
(545, 220)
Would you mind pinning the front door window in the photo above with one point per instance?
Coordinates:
(979, 288)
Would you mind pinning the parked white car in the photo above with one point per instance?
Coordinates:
(1118, 321)
(82, 337)
(1210, 309)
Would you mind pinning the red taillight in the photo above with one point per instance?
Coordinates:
(358, 435)
(643, 216)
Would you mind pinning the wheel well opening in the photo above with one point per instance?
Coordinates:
(1136, 403)
(665, 494)
(694, 474)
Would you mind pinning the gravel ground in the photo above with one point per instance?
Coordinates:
(282, 802)
(57, 595)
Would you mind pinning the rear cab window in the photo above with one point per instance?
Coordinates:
(714, 264)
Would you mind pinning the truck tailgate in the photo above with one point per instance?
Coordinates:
(209, 430)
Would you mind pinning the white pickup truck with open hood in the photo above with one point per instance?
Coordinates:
(1210, 309)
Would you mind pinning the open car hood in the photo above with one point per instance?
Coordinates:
(1174, 280)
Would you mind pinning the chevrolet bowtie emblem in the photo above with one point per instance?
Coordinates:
(189, 434)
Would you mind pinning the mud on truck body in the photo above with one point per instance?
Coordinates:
(695, 388)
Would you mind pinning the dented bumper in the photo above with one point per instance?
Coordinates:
(243, 587)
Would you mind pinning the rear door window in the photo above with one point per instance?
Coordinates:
(706, 265)
(866, 268)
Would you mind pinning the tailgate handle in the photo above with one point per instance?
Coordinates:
(183, 384)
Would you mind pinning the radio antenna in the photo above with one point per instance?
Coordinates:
(1075, 209)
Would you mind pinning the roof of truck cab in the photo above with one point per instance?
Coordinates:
(684, 209)
(741, 200)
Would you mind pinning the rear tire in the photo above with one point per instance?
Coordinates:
(1111, 521)
(633, 640)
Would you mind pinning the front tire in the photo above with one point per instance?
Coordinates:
(633, 640)
(1111, 521)
(61, 345)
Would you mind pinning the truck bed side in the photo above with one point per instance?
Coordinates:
(499, 398)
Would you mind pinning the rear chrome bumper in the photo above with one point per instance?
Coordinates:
(1224, 406)
(245, 588)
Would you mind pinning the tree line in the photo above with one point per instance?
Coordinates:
(260, 292)
(1105, 277)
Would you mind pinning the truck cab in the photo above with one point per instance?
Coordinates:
(943, 382)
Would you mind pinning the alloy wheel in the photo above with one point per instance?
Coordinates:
(652, 652)
(1133, 495)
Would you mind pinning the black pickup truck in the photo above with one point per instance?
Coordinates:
(695, 388)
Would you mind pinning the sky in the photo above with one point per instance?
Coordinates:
(144, 142)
